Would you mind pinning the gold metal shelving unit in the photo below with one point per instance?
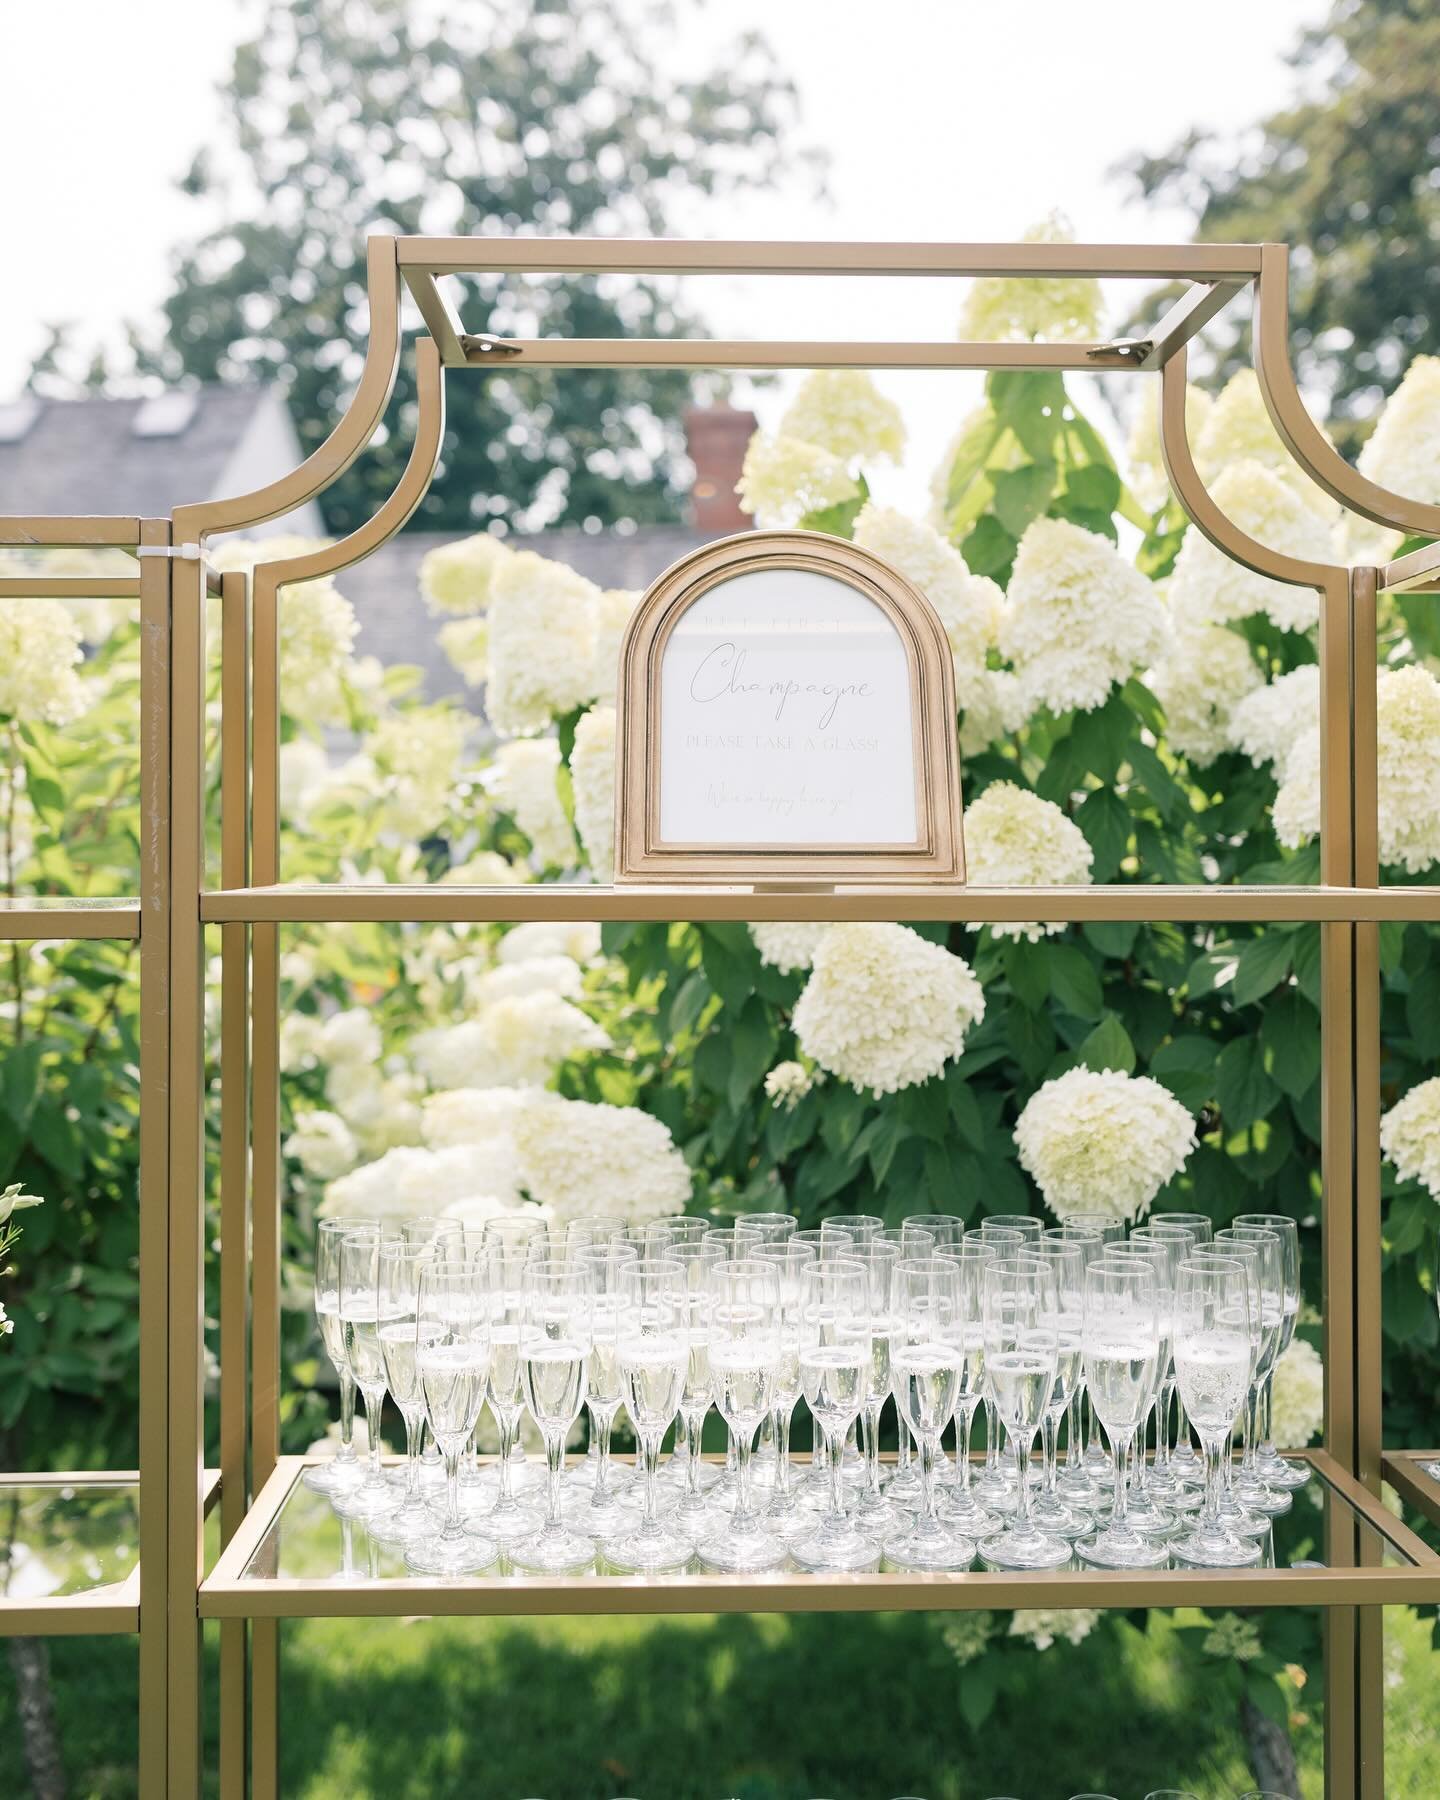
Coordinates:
(1371, 1559)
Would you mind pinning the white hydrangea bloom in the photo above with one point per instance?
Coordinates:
(592, 778)
(323, 1144)
(884, 1008)
(787, 1084)
(1097, 1140)
(970, 607)
(379, 1109)
(787, 944)
(966, 1635)
(486, 868)
(1206, 671)
(350, 1036)
(1146, 467)
(304, 775)
(1208, 587)
(1239, 429)
(1004, 308)
(1045, 1625)
(1013, 838)
(844, 412)
(518, 1041)
(1080, 620)
(1402, 453)
(7, 1324)
(39, 653)
(995, 707)
(541, 649)
(522, 781)
(537, 975)
(577, 1158)
(579, 939)
(784, 478)
(318, 629)
(1410, 1135)
(458, 579)
(416, 758)
(301, 1040)
(1267, 722)
(375, 1187)
(612, 614)
(1407, 704)
(479, 1117)
(1297, 1399)
(1234, 1638)
(466, 643)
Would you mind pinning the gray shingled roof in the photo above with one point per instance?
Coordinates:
(395, 626)
(81, 456)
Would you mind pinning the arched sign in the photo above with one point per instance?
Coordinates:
(787, 712)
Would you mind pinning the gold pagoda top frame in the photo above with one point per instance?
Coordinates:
(1372, 1559)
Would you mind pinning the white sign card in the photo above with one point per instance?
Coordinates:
(786, 717)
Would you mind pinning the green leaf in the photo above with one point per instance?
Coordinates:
(977, 1694)
(1422, 1012)
(1096, 488)
(1243, 1087)
(1021, 495)
(1108, 1047)
(752, 1049)
(965, 1109)
(1212, 971)
(1186, 1065)
(1264, 963)
(1074, 982)
(989, 549)
(879, 1141)
(19, 1082)
(1306, 944)
(1027, 971)
(689, 1002)
(1265, 1695)
(731, 975)
(1105, 820)
(1031, 1038)
(838, 520)
(1032, 404)
(56, 1139)
(1291, 1036)
(1113, 938)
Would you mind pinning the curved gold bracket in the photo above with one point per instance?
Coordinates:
(345, 442)
(268, 577)
(1303, 437)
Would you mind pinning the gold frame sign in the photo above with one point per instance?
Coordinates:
(786, 714)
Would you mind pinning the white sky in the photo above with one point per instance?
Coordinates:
(961, 119)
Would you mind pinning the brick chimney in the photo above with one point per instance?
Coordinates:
(716, 437)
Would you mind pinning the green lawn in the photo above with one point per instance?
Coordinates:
(761, 1708)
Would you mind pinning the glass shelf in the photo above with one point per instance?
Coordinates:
(69, 1553)
(295, 1557)
(1415, 1476)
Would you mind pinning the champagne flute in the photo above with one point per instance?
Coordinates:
(344, 1469)
(1021, 1306)
(744, 1357)
(995, 1488)
(970, 1258)
(1243, 1520)
(1185, 1465)
(1279, 1471)
(874, 1512)
(1121, 1347)
(856, 1226)
(785, 1514)
(1065, 1260)
(653, 1354)
(435, 1229)
(944, 1230)
(1144, 1510)
(698, 1259)
(1095, 1458)
(1248, 1486)
(361, 1319)
(599, 1511)
(757, 1230)
(400, 1266)
(1214, 1354)
(1077, 1486)
(513, 1240)
(556, 1340)
(835, 1365)
(499, 1265)
(452, 1361)
(927, 1354)
(1178, 1242)
(680, 1234)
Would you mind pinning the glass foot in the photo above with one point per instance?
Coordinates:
(464, 1554)
(836, 1544)
(1024, 1549)
(1145, 1515)
(1208, 1548)
(652, 1550)
(605, 1517)
(1110, 1549)
(930, 1545)
(968, 1517)
(553, 1550)
(371, 1500)
(335, 1476)
(881, 1516)
(406, 1525)
(1055, 1519)
(507, 1524)
(676, 1473)
(1240, 1520)
(1075, 1487)
(740, 1551)
(1259, 1498)
(1280, 1472)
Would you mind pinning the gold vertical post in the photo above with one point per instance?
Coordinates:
(154, 1153)
(234, 1161)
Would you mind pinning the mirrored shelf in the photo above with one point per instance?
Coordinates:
(294, 1556)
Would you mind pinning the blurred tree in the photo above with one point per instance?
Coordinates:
(1350, 175)
(498, 117)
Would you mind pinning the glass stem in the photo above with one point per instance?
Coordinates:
(1074, 1450)
(694, 1426)
(347, 1416)
(453, 1526)
(1121, 1443)
(603, 1423)
(1247, 1429)
(782, 1452)
(1267, 1442)
(902, 1447)
(992, 1437)
(964, 1425)
(1140, 1466)
(1210, 1447)
(555, 1462)
(374, 1407)
(1023, 1446)
(412, 1456)
(929, 1444)
(870, 1437)
(507, 1437)
(1050, 1444)
(835, 1451)
(742, 1517)
(1184, 1449)
(650, 1450)
(1162, 1428)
